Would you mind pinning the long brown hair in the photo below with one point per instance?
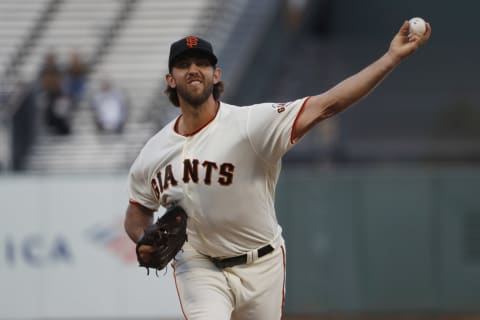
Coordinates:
(173, 96)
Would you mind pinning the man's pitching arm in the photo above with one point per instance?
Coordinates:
(354, 88)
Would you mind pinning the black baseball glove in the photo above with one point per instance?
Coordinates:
(167, 235)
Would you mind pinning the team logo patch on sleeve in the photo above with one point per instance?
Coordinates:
(280, 107)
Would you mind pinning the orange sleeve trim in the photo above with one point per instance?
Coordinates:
(292, 139)
(136, 203)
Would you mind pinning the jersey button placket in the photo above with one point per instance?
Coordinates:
(185, 155)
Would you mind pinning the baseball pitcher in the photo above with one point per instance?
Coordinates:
(215, 168)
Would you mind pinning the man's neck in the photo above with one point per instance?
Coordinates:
(194, 118)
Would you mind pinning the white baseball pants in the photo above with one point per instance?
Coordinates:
(252, 291)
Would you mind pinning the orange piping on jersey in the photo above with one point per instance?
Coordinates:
(178, 293)
(175, 127)
(131, 201)
(284, 281)
(292, 140)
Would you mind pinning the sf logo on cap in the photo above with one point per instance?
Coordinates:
(191, 41)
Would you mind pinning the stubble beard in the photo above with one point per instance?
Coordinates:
(195, 99)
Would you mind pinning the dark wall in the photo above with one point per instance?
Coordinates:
(381, 240)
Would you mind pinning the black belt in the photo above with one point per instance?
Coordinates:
(234, 261)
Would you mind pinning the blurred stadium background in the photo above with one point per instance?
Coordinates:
(380, 205)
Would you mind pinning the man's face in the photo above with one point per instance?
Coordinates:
(193, 76)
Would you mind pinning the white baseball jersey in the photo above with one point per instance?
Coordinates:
(223, 175)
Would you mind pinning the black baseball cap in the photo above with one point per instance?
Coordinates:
(191, 44)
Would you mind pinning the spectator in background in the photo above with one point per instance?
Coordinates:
(75, 77)
(21, 107)
(296, 12)
(57, 104)
(110, 106)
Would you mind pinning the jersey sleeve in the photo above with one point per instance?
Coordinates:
(270, 126)
(139, 187)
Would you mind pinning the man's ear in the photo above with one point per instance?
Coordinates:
(171, 81)
(217, 75)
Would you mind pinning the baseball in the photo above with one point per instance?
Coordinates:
(417, 25)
